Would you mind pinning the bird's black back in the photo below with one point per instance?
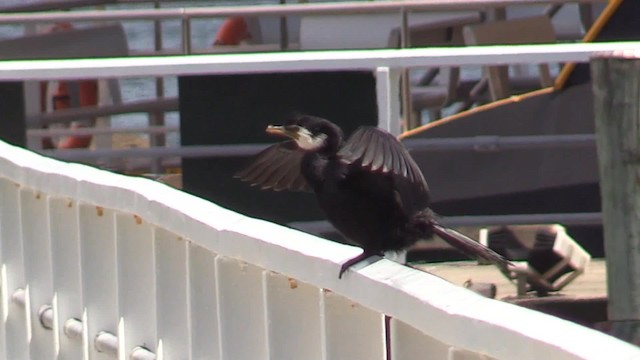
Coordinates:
(370, 189)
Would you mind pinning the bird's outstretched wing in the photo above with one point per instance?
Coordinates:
(276, 167)
(470, 247)
(380, 151)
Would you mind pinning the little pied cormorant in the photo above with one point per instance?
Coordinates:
(369, 187)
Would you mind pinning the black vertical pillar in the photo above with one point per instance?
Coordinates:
(12, 123)
(234, 109)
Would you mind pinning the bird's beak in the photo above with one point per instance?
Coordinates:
(281, 131)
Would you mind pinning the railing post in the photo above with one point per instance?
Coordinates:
(388, 95)
(616, 86)
(157, 118)
(186, 34)
(410, 121)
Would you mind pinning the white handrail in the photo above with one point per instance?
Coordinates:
(353, 7)
(157, 267)
(185, 15)
(19, 70)
(385, 63)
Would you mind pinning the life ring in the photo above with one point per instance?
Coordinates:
(87, 96)
(233, 31)
(62, 98)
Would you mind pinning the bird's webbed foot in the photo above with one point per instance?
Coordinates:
(349, 263)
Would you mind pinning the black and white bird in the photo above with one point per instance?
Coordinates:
(368, 186)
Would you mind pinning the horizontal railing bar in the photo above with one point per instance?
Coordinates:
(54, 5)
(38, 133)
(95, 15)
(497, 143)
(138, 165)
(223, 49)
(275, 10)
(478, 143)
(192, 151)
(303, 61)
(594, 218)
(67, 115)
(524, 219)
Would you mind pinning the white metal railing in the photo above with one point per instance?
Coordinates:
(186, 15)
(349, 7)
(107, 266)
(387, 64)
(18, 70)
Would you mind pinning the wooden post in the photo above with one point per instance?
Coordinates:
(616, 86)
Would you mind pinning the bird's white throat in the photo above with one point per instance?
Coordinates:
(307, 141)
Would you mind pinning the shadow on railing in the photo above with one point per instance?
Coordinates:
(106, 265)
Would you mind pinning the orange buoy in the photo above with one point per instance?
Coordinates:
(61, 98)
(87, 95)
(75, 141)
(233, 31)
(63, 26)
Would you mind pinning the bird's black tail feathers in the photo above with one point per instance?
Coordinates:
(470, 247)
(461, 242)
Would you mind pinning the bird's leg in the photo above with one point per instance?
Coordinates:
(365, 255)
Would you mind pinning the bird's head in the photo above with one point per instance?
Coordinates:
(310, 133)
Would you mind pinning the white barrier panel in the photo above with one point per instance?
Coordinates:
(303, 61)
(37, 268)
(137, 282)
(133, 269)
(14, 317)
(171, 254)
(67, 270)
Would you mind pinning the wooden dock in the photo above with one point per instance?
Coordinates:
(583, 301)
